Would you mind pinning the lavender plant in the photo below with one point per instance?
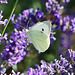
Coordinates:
(17, 47)
(62, 66)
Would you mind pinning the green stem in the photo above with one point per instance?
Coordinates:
(9, 18)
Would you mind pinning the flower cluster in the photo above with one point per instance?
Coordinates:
(18, 73)
(3, 1)
(54, 10)
(28, 18)
(2, 22)
(62, 66)
(72, 56)
(73, 25)
(4, 37)
(16, 48)
(2, 68)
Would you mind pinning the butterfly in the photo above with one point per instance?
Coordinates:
(39, 35)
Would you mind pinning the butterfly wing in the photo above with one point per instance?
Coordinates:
(40, 40)
(44, 27)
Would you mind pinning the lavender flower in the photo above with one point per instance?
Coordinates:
(18, 73)
(66, 23)
(4, 37)
(53, 9)
(36, 72)
(72, 55)
(73, 25)
(62, 66)
(2, 22)
(14, 52)
(72, 58)
(28, 18)
(2, 68)
(3, 1)
(65, 1)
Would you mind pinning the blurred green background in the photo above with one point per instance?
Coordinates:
(34, 57)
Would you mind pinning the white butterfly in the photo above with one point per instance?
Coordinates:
(39, 35)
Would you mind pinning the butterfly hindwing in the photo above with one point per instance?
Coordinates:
(40, 40)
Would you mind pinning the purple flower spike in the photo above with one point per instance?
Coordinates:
(73, 25)
(26, 12)
(39, 13)
(36, 72)
(28, 18)
(5, 21)
(2, 69)
(12, 18)
(5, 36)
(18, 73)
(52, 36)
(16, 48)
(66, 23)
(62, 67)
(3, 1)
(2, 22)
(72, 55)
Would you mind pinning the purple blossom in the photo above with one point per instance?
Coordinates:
(72, 55)
(28, 18)
(3, 1)
(2, 22)
(53, 8)
(12, 18)
(16, 48)
(5, 21)
(3, 71)
(66, 23)
(39, 13)
(65, 1)
(4, 37)
(62, 66)
(18, 73)
(73, 25)
(2, 68)
(48, 67)
(40, 71)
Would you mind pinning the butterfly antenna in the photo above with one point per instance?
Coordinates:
(21, 26)
(28, 23)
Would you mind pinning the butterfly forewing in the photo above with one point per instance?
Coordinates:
(44, 27)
